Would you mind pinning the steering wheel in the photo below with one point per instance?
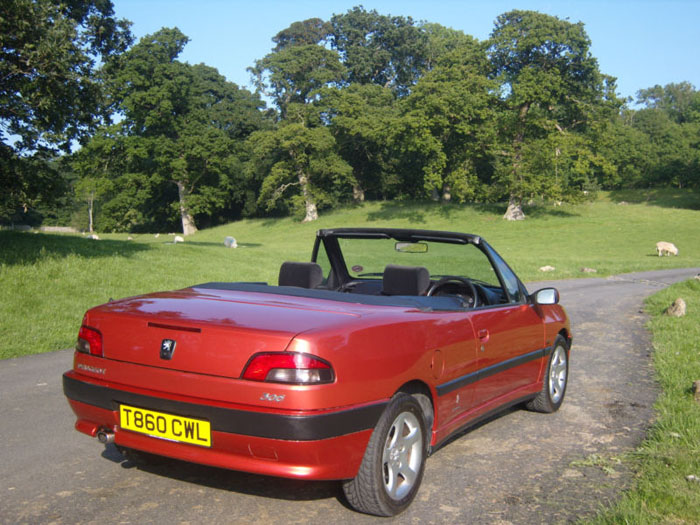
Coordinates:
(450, 279)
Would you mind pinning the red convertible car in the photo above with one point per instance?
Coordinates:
(354, 367)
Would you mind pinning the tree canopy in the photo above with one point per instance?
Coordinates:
(362, 106)
(51, 91)
(549, 84)
(378, 49)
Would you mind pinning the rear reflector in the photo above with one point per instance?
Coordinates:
(89, 341)
(288, 367)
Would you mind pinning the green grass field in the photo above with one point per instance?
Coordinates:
(47, 281)
(662, 493)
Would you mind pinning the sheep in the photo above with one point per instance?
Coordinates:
(666, 248)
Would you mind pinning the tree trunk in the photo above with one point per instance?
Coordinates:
(188, 226)
(311, 212)
(358, 194)
(446, 193)
(309, 204)
(515, 203)
(91, 201)
(515, 210)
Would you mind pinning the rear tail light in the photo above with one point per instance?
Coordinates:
(89, 341)
(288, 367)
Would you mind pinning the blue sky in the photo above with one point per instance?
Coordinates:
(641, 42)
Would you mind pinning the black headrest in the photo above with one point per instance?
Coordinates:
(301, 274)
(405, 280)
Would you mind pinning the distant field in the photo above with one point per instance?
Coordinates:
(47, 281)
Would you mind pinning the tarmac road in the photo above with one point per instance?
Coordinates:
(516, 468)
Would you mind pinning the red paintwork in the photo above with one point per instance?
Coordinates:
(334, 458)
(374, 350)
(511, 331)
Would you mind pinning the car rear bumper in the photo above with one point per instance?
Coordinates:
(306, 445)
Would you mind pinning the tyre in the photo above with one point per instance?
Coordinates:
(550, 398)
(392, 467)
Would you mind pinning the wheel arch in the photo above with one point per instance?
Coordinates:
(421, 391)
(567, 338)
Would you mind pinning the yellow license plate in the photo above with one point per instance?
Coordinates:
(165, 426)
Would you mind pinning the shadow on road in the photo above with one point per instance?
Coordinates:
(230, 480)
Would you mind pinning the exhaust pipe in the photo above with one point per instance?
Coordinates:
(105, 436)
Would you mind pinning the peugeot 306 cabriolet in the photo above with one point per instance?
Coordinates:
(354, 367)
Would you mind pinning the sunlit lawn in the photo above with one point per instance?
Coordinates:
(664, 490)
(48, 281)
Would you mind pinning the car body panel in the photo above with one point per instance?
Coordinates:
(507, 335)
(469, 362)
(329, 458)
(215, 331)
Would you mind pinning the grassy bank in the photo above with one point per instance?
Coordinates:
(48, 281)
(662, 492)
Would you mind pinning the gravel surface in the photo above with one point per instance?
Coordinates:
(520, 467)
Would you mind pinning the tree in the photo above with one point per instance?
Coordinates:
(187, 122)
(441, 41)
(681, 102)
(50, 89)
(89, 190)
(379, 49)
(670, 121)
(630, 152)
(296, 73)
(299, 66)
(447, 125)
(299, 159)
(675, 148)
(550, 83)
(95, 164)
(360, 117)
(51, 92)
(28, 183)
(301, 163)
(307, 32)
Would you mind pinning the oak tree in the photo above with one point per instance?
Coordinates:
(447, 125)
(300, 169)
(298, 67)
(51, 93)
(549, 83)
(361, 117)
(390, 51)
(189, 120)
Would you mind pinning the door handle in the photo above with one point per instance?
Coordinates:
(483, 335)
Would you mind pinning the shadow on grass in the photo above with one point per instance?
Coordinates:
(413, 211)
(19, 248)
(400, 210)
(547, 211)
(416, 211)
(662, 197)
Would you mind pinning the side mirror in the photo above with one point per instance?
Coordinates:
(546, 296)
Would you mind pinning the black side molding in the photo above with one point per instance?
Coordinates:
(473, 377)
(259, 424)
